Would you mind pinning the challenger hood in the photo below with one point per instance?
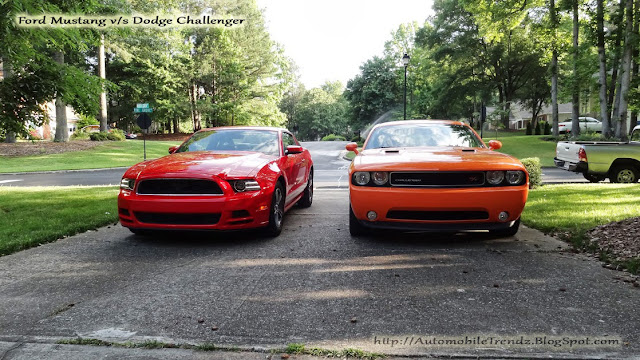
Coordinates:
(435, 159)
(202, 164)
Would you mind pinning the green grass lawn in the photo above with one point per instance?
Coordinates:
(526, 146)
(30, 216)
(107, 155)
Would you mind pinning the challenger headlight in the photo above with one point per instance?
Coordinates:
(515, 177)
(380, 177)
(127, 184)
(361, 178)
(245, 185)
(495, 177)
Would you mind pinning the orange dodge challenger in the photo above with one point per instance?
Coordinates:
(434, 175)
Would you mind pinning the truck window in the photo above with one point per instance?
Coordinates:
(635, 136)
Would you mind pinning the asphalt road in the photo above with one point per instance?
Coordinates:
(394, 293)
(330, 171)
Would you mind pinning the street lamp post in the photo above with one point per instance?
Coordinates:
(405, 61)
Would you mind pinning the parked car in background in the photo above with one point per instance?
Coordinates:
(130, 136)
(598, 160)
(225, 178)
(435, 176)
(586, 124)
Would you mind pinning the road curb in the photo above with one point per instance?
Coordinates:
(64, 171)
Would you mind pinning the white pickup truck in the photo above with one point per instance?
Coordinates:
(618, 161)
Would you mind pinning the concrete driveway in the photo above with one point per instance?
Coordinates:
(465, 295)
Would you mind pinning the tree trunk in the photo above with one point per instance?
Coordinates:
(10, 137)
(62, 132)
(575, 111)
(176, 128)
(604, 111)
(633, 121)
(614, 88)
(195, 114)
(554, 70)
(625, 77)
(103, 94)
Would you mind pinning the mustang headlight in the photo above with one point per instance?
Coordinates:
(495, 177)
(380, 177)
(245, 185)
(127, 184)
(361, 178)
(515, 177)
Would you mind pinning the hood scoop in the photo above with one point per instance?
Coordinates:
(392, 151)
(469, 150)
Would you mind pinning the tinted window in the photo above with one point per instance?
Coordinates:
(416, 135)
(263, 141)
(287, 139)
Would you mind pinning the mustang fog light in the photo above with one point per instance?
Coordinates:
(372, 215)
(515, 177)
(495, 177)
(503, 216)
(361, 177)
(127, 184)
(380, 177)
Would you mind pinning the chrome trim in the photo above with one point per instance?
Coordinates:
(437, 186)
(138, 181)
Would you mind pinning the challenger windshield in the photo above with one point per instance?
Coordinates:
(418, 135)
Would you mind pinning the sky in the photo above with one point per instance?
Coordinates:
(329, 39)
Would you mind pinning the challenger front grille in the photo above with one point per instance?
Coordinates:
(437, 215)
(173, 187)
(437, 179)
(177, 218)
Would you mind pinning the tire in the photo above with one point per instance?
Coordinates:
(355, 228)
(508, 231)
(276, 211)
(593, 178)
(307, 197)
(625, 173)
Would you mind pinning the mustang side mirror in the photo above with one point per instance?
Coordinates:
(495, 145)
(352, 147)
(293, 149)
(173, 149)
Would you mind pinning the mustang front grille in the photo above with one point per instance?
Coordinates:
(172, 187)
(177, 219)
(437, 215)
(437, 179)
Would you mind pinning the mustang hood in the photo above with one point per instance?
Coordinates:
(435, 159)
(202, 164)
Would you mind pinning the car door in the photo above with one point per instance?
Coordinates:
(292, 166)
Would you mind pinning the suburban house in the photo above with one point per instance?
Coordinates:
(520, 117)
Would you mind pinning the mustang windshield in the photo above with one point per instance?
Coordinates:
(418, 135)
(264, 141)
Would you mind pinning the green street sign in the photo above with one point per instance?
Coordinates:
(142, 106)
(142, 110)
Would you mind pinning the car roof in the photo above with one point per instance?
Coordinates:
(269, 128)
(417, 122)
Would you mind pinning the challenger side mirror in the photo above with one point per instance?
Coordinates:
(352, 147)
(495, 145)
(173, 149)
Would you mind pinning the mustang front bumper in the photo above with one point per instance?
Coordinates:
(224, 212)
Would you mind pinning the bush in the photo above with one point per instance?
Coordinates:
(547, 128)
(334, 137)
(80, 135)
(529, 130)
(116, 135)
(538, 129)
(99, 136)
(84, 120)
(535, 171)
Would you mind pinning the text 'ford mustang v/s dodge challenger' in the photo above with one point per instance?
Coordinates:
(224, 178)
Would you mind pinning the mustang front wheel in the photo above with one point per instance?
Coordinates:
(276, 213)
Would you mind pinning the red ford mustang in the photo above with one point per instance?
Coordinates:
(219, 179)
